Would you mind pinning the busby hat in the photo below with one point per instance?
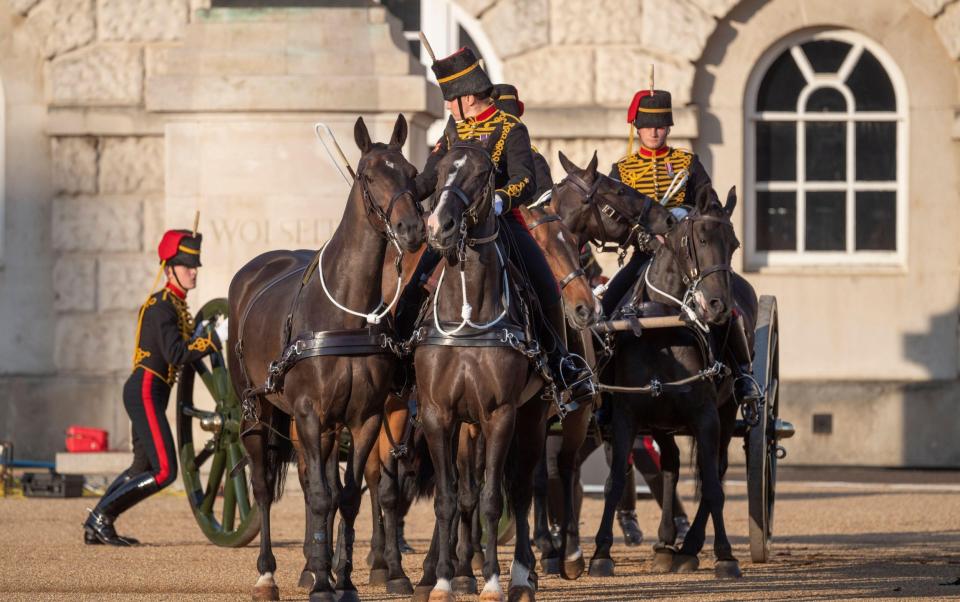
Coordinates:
(507, 99)
(461, 74)
(180, 247)
(650, 109)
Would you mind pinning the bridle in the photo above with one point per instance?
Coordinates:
(600, 208)
(688, 261)
(382, 226)
(474, 213)
(546, 219)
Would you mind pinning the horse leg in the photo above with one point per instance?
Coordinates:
(541, 520)
(568, 463)
(363, 439)
(428, 580)
(531, 420)
(375, 559)
(476, 531)
(306, 577)
(439, 429)
(498, 431)
(665, 547)
(255, 442)
(464, 582)
(317, 448)
(727, 566)
(624, 430)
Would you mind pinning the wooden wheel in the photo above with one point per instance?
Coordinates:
(761, 440)
(220, 495)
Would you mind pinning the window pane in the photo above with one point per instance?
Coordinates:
(876, 150)
(776, 221)
(826, 100)
(781, 85)
(826, 228)
(876, 221)
(776, 151)
(826, 56)
(871, 86)
(826, 152)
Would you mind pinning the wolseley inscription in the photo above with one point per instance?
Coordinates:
(278, 233)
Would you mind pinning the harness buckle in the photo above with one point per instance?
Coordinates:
(656, 388)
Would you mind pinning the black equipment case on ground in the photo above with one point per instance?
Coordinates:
(52, 484)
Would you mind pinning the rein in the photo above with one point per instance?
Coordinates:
(546, 219)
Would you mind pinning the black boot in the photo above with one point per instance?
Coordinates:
(88, 537)
(98, 528)
(570, 372)
(746, 389)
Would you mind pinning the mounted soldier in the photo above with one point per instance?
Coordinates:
(166, 339)
(674, 177)
(475, 117)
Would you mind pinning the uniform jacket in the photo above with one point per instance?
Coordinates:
(514, 178)
(651, 173)
(165, 339)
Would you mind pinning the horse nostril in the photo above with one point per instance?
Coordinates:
(717, 305)
(448, 225)
(583, 312)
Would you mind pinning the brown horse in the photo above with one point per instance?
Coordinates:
(279, 295)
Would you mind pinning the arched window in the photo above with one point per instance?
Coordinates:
(826, 158)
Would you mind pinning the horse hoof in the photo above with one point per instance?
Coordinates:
(521, 593)
(550, 566)
(306, 580)
(685, 564)
(442, 596)
(476, 563)
(401, 586)
(266, 592)
(464, 584)
(491, 596)
(601, 567)
(421, 593)
(347, 595)
(662, 561)
(572, 569)
(727, 569)
(323, 597)
(378, 576)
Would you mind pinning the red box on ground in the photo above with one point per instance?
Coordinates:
(86, 439)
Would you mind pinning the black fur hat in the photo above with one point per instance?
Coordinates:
(651, 109)
(460, 74)
(507, 99)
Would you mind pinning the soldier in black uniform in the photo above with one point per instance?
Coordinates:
(467, 91)
(166, 340)
(674, 177)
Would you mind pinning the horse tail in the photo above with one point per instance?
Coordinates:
(280, 451)
(423, 485)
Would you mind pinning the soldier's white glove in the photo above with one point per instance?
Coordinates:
(497, 204)
(221, 329)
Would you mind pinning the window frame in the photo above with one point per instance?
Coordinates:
(756, 260)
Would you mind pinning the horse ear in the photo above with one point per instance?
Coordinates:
(361, 136)
(731, 201)
(567, 165)
(592, 166)
(399, 132)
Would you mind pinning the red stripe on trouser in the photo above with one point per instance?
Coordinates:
(651, 451)
(155, 434)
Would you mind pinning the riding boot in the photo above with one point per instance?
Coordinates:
(570, 372)
(746, 388)
(409, 305)
(98, 528)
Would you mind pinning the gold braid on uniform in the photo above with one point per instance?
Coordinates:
(470, 129)
(184, 323)
(649, 175)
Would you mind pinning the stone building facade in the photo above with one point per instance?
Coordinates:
(121, 117)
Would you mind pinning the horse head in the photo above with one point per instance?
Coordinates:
(701, 246)
(385, 180)
(600, 209)
(464, 196)
(563, 255)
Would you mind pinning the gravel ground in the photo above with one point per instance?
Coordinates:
(866, 540)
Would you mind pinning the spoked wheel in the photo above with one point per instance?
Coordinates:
(220, 496)
(761, 440)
